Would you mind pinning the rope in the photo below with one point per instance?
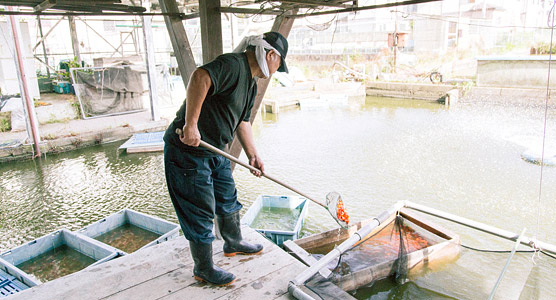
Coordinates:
(550, 18)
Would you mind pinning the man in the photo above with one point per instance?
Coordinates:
(220, 96)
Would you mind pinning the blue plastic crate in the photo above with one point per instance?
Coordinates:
(166, 230)
(9, 285)
(63, 237)
(13, 280)
(61, 87)
(278, 236)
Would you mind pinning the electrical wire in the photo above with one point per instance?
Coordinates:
(506, 251)
(454, 20)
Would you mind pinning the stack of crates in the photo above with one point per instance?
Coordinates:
(61, 87)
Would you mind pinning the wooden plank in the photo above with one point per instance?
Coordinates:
(130, 271)
(253, 268)
(305, 257)
(102, 280)
(282, 25)
(211, 29)
(273, 285)
(337, 235)
(178, 37)
(182, 277)
(153, 148)
(428, 225)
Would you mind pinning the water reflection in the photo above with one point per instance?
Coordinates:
(74, 189)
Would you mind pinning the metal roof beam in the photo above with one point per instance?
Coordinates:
(46, 4)
(92, 14)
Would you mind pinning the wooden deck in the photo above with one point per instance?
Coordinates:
(165, 271)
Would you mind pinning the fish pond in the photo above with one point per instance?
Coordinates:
(465, 160)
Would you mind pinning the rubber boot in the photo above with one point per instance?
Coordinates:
(204, 269)
(231, 234)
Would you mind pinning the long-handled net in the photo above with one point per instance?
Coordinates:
(334, 204)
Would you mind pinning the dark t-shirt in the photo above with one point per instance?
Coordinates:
(228, 103)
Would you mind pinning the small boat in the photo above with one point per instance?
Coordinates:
(279, 218)
(144, 142)
(129, 230)
(426, 244)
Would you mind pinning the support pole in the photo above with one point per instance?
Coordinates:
(151, 66)
(43, 46)
(178, 37)
(211, 29)
(282, 25)
(46, 35)
(98, 34)
(24, 90)
(74, 40)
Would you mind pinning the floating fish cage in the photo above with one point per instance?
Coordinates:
(13, 280)
(279, 218)
(53, 250)
(129, 231)
(377, 255)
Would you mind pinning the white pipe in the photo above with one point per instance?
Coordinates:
(297, 292)
(151, 67)
(482, 227)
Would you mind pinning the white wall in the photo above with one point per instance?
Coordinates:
(8, 71)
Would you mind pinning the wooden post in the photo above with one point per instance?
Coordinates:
(151, 66)
(74, 40)
(178, 37)
(282, 25)
(211, 29)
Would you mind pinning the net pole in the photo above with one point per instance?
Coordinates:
(507, 264)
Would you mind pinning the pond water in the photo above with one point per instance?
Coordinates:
(465, 160)
(128, 238)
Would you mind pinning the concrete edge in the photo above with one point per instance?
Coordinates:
(78, 141)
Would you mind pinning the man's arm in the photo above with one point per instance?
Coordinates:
(197, 89)
(245, 136)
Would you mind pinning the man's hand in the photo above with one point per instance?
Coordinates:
(190, 135)
(256, 162)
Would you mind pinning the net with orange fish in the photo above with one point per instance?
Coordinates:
(398, 246)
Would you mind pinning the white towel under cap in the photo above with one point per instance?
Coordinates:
(260, 46)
